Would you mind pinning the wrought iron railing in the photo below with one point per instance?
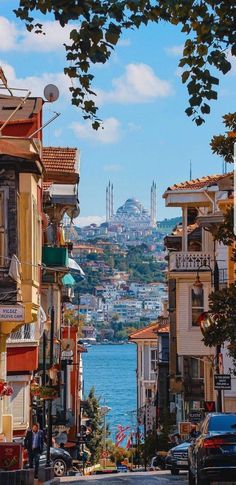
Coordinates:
(27, 333)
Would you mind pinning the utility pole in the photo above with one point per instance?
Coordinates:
(49, 433)
(145, 436)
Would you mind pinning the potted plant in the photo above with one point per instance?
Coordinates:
(5, 389)
(35, 388)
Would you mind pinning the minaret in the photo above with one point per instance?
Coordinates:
(107, 205)
(112, 201)
(153, 209)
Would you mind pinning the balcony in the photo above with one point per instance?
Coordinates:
(190, 261)
(26, 334)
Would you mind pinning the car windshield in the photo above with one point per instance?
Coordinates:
(223, 423)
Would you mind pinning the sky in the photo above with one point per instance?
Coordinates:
(147, 135)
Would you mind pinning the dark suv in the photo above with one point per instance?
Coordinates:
(212, 456)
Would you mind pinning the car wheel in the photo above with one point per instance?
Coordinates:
(174, 471)
(59, 467)
(191, 478)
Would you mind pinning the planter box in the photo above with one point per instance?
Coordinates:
(55, 257)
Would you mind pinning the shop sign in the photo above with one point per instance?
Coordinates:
(222, 381)
(184, 428)
(10, 456)
(195, 416)
(13, 313)
(209, 406)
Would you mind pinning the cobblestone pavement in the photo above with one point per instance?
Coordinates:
(136, 478)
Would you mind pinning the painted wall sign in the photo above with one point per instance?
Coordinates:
(10, 456)
(12, 313)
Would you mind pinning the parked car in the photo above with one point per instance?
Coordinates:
(212, 456)
(60, 458)
(61, 461)
(158, 461)
(177, 458)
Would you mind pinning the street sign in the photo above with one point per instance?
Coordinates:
(12, 313)
(209, 406)
(195, 416)
(184, 428)
(222, 381)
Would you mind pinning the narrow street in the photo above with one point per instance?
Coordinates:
(149, 478)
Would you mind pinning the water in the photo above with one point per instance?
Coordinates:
(111, 369)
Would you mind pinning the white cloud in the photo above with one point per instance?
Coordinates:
(87, 220)
(124, 43)
(175, 50)
(139, 84)
(36, 84)
(8, 34)
(112, 167)
(54, 37)
(110, 133)
(15, 38)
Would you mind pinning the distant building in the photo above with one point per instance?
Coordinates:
(131, 214)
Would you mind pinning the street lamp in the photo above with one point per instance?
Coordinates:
(207, 322)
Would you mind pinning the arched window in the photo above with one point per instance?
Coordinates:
(197, 302)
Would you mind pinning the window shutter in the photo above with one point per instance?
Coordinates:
(19, 402)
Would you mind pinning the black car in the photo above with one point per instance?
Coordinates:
(177, 458)
(61, 461)
(212, 456)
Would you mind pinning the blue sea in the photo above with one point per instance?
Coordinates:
(111, 369)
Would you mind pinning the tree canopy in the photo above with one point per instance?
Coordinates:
(209, 27)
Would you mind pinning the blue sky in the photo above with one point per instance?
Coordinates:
(146, 135)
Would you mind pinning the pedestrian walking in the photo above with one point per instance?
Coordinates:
(34, 441)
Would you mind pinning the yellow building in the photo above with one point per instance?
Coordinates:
(20, 253)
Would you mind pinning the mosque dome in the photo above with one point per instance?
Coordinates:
(132, 208)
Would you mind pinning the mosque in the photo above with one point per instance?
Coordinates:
(131, 214)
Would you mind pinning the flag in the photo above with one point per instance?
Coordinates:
(129, 441)
(121, 435)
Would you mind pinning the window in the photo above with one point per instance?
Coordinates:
(148, 393)
(197, 306)
(196, 368)
(154, 360)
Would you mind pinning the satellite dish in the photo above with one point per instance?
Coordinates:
(67, 344)
(51, 93)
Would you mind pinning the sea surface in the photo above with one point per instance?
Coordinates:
(111, 369)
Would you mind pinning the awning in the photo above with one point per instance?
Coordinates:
(68, 280)
(76, 268)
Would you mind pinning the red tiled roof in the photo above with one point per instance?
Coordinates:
(60, 159)
(197, 183)
(150, 332)
(46, 185)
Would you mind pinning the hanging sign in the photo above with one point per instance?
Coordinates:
(222, 381)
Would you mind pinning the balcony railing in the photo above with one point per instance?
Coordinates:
(27, 333)
(190, 261)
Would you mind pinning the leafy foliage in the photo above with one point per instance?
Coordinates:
(209, 27)
(225, 233)
(223, 145)
(222, 309)
(94, 439)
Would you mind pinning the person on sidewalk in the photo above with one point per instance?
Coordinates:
(34, 441)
